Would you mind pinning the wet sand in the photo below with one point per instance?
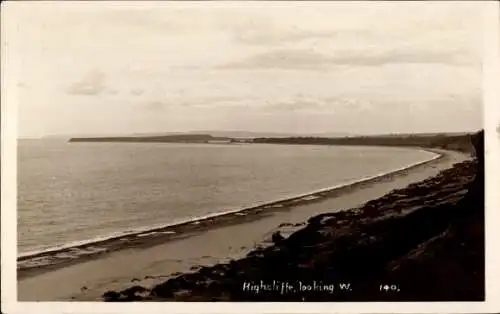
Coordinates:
(149, 260)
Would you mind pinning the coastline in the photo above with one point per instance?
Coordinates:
(32, 280)
(34, 262)
(403, 246)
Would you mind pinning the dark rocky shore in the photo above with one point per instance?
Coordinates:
(421, 243)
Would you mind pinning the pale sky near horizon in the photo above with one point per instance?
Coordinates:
(125, 67)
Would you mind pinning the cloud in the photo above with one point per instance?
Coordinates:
(285, 59)
(295, 59)
(299, 102)
(155, 106)
(215, 101)
(297, 105)
(22, 85)
(136, 91)
(270, 37)
(308, 104)
(92, 84)
(203, 102)
(451, 57)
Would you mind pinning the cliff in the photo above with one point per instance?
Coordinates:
(460, 142)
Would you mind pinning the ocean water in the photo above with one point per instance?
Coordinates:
(70, 192)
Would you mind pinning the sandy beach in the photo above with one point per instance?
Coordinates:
(168, 253)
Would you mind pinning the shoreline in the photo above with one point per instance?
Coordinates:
(36, 262)
(163, 256)
(410, 238)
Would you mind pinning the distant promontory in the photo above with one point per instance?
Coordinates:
(178, 138)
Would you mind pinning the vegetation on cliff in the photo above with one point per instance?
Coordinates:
(460, 142)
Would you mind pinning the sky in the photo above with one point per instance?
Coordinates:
(301, 67)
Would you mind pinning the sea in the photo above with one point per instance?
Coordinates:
(70, 193)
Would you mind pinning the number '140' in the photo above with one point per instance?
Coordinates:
(387, 288)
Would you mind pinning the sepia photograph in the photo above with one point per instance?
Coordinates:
(232, 151)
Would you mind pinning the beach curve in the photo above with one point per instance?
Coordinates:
(32, 279)
(76, 249)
